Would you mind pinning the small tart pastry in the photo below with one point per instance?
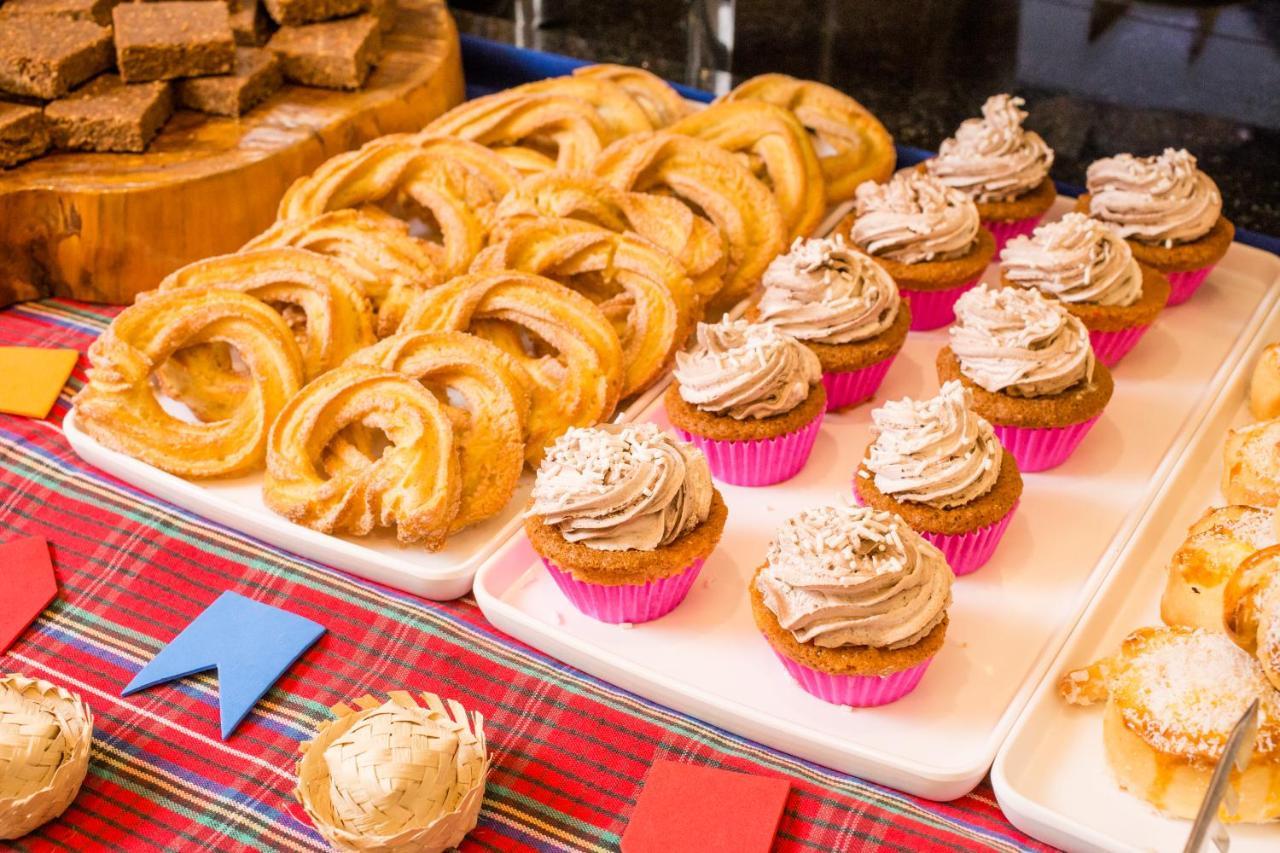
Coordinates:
(938, 465)
(751, 398)
(844, 307)
(396, 775)
(1028, 363)
(853, 602)
(623, 517)
(1168, 210)
(46, 734)
(1201, 567)
(1172, 696)
(1264, 384)
(1251, 609)
(1251, 464)
(658, 98)
(927, 236)
(1001, 166)
(1091, 269)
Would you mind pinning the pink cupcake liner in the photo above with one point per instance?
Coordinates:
(860, 691)
(627, 602)
(1182, 285)
(1039, 449)
(933, 309)
(1006, 231)
(968, 552)
(758, 462)
(1110, 347)
(855, 386)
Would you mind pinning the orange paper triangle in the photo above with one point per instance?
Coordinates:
(31, 378)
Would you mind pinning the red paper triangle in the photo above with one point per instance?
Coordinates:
(28, 582)
(687, 808)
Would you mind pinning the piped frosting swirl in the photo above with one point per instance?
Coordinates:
(914, 217)
(1160, 199)
(745, 370)
(993, 158)
(1076, 259)
(622, 488)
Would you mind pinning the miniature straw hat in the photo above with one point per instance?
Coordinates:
(395, 775)
(45, 735)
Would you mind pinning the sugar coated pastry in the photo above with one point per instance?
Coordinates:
(1251, 609)
(1251, 464)
(1264, 384)
(1198, 572)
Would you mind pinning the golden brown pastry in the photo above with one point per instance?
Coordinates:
(658, 98)
(858, 147)
(413, 485)
(564, 343)
(1264, 385)
(1198, 573)
(1251, 464)
(119, 409)
(621, 113)
(1251, 609)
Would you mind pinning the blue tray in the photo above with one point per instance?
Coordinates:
(490, 65)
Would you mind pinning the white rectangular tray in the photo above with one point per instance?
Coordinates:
(1008, 620)
(1051, 777)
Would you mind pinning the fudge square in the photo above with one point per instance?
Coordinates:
(23, 134)
(333, 55)
(290, 13)
(110, 115)
(257, 75)
(161, 41)
(249, 24)
(44, 57)
(98, 11)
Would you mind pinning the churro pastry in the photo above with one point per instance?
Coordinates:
(1264, 384)
(1251, 464)
(660, 101)
(1198, 573)
(1251, 609)
(413, 485)
(119, 409)
(566, 346)
(1172, 697)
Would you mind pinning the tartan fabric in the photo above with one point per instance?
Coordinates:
(571, 751)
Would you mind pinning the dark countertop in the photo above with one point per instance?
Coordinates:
(1099, 76)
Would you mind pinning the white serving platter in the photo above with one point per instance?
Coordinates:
(1008, 620)
(1051, 776)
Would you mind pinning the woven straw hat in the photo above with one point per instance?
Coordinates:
(45, 735)
(395, 775)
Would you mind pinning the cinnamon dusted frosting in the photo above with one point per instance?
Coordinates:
(1076, 259)
(746, 370)
(824, 291)
(914, 217)
(992, 158)
(1160, 199)
(853, 576)
(622, 488)
(937, 451)
(1015, 340)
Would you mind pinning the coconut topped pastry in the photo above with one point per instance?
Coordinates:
(993, 158)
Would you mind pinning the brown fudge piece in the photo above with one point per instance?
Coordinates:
(249, 23)
(110, 115)
(161, 41)
(385, 12)
(257, 75)
(332, 55)
(23, 134)
(98, 11)
(45, 56)
(291, 13)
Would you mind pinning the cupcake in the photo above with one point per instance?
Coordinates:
(1168, 210)
(844, 307)
(1089, 267)
(623, 518)
(751, 398)
(1031, 370)
(927, 236)
(1002, 167)
(853, 602)
(939, 465)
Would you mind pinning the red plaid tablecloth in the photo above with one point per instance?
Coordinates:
(571, 751)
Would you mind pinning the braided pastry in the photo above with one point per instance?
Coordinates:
(414, 485)
(860, 149)
(1251, 609)
(564, 343)
(118, 408)
(640, 288)
(621, 113)
(658, 98)
(778, 149)
(489, 432)
(711, 181)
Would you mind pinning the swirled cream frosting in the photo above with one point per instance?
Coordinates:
(823, 290)
(746, 370)
(1014, 340)
(853, 576)
(622, 488)
(937, 451)
(1076, 259)
(1160, 199)
(993, 158)
(914, 217)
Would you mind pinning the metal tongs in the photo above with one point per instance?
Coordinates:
(1208, 828)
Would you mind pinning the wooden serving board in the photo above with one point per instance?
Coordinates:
(104, 227)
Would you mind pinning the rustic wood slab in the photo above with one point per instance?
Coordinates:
(104, 227)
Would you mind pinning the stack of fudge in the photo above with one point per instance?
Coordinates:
(105, 75)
